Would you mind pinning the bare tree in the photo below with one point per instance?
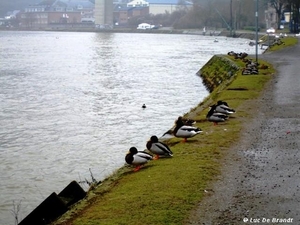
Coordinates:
(293, 7)
(278, 5)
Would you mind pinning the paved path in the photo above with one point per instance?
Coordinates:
(260, 182)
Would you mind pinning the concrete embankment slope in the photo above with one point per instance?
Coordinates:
(260, 181)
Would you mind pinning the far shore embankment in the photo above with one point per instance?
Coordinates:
(164, 30)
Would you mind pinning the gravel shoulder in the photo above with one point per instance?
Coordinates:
(260, 179)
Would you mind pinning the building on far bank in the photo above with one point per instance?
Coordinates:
(138, 3)
(84, 13)
(163, 6)
(57, 13)
(124, 12)
(104, 13)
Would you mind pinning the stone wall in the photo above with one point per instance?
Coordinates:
(218, 70)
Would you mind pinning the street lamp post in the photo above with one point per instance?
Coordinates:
(231, 18)
(256, 33)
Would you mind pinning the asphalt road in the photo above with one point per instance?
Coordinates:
(260, 181)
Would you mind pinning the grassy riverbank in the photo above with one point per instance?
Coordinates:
(166, 190)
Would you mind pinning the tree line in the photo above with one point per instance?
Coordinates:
(231, 14)
(291, 6)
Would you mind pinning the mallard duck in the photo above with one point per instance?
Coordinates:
(183, 121)
(188, 122)
(183, 131)
(158, 148)
(137, 158)
(222, 107)
(221, 102)
(186, 132)
(215, 117)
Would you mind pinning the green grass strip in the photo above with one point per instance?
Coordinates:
(166, 190)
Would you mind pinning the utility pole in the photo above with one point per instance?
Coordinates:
(256, 33)
(230, 18)
(239, 19)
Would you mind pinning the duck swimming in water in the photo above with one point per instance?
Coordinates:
(158, 148)
(137, 158)
(183, 131)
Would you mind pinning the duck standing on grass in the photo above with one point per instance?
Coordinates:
(137, 158)
(225, 104)
(183, 131)
(215, 117)
(158, 148)
(182, 121)
(222, 107)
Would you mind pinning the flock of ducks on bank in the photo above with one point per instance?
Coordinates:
(184, 128)
(251, 67)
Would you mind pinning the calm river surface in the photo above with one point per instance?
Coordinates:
(71, 102)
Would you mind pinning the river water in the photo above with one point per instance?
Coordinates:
(71, 104)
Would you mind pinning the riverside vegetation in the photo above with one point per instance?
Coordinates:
(165, 191)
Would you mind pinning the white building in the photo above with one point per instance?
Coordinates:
(138, 3)
(163, 6)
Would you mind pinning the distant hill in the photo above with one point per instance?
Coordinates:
(10, 5)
